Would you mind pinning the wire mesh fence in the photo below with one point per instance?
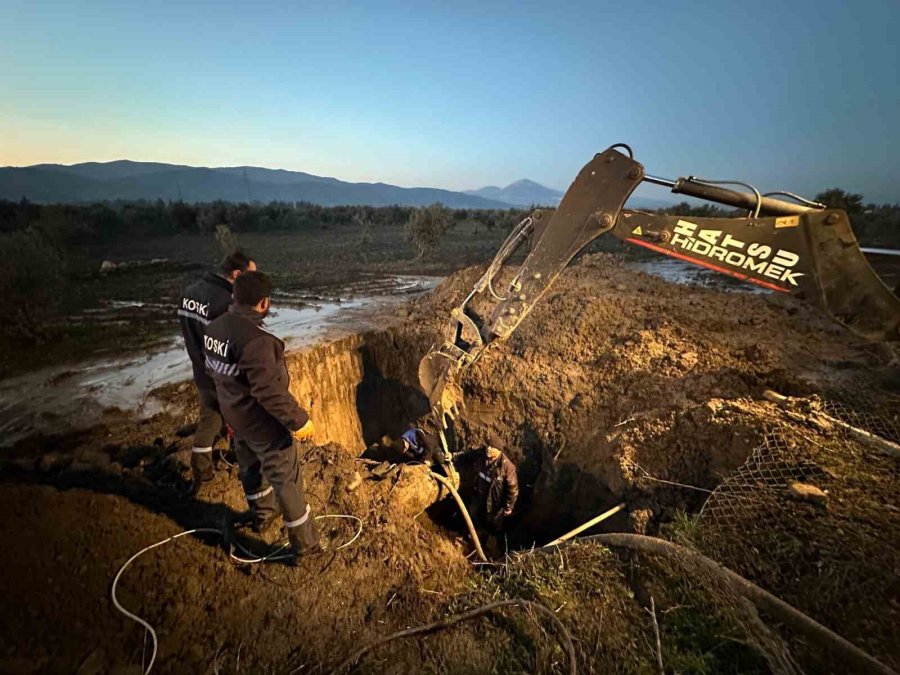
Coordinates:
(807, 514)
(876, 412)
(762, 480)
(785, 455)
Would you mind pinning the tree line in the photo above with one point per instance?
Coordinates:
(874, 224)
(108, 221)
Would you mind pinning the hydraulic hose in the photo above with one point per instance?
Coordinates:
(854, 658)
(465, 513)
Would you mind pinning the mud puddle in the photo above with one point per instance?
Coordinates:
(679, 272)
(60, 397)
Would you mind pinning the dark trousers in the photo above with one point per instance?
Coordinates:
(208, 427)
(489, 527)
(481, 519)
(270, 474)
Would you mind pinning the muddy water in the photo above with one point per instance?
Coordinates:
(680, 272)
(885, 262)
(53, 399)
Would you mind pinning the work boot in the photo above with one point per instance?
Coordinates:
(268, 529)
(301, 548)
(202, 467)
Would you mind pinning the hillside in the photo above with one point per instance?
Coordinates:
(124, 179)
(525, 193)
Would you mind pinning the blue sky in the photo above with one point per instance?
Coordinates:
(790, 95)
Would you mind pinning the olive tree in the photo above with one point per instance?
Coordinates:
(426, 227)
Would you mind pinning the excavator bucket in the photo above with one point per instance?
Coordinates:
(437, 379)
(588, 209)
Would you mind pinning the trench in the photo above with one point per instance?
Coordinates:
(363, 387)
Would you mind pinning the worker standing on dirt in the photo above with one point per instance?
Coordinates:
(496, 486)
(247, 364)
(204, 300)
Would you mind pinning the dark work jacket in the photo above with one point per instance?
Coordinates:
(252, 382)
(496, 483)
(203, 300)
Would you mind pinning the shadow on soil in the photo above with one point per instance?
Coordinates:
(161, 490)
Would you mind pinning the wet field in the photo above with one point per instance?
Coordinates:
(72, 395)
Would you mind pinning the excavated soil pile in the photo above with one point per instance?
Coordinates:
(617, 375)
(618, 387)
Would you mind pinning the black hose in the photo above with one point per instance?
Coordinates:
(563, 636)
(854, 658)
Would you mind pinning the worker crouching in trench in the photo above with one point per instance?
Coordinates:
(414, 446)
(494, 492)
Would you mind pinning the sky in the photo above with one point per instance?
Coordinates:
(790, 95)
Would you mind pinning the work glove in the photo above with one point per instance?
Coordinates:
(305, 432)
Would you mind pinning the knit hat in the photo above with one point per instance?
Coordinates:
(493, 440)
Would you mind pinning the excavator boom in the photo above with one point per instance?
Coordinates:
(801, 249)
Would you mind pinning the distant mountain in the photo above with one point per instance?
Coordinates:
(124, 179)
(521, 193)
(280, 176)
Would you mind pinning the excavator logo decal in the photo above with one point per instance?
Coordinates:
(759, 259)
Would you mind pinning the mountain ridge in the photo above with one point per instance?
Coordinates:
(132, 180)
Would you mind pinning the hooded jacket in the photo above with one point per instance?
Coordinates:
(203, 300)
(247, 364)
(496, 483)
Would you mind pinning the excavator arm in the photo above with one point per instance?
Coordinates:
(800, 249)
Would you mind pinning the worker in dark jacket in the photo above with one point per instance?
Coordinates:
(252, 382)
(496, 484)
(203, 300)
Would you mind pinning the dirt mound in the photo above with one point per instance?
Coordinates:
(617, 373)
